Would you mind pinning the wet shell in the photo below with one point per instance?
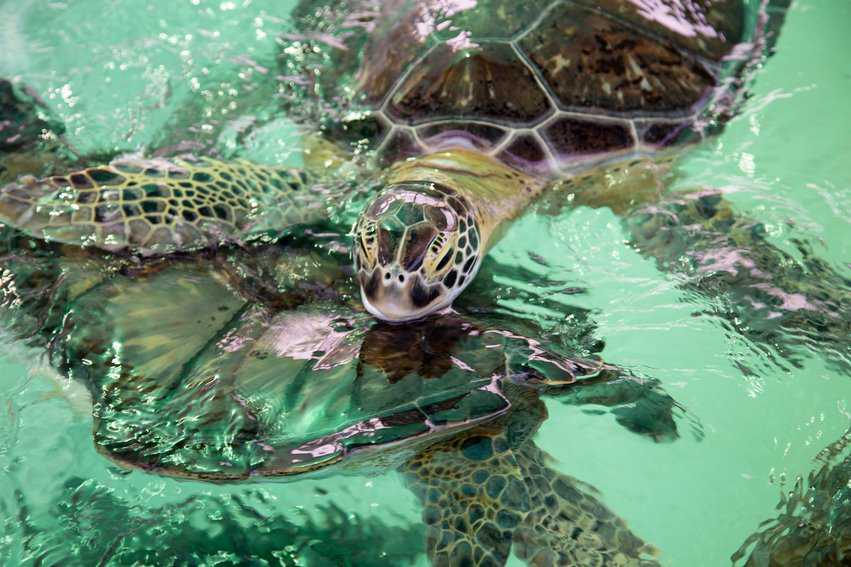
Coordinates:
(545, 85)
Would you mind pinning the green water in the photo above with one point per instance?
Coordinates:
(119, 73)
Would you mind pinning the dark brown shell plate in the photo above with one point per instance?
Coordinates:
(543, 82)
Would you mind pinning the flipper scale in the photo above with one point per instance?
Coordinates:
(155, 207)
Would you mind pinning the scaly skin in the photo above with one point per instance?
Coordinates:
(498, 193)
(421, 241)
(156, 207)
(490, 491)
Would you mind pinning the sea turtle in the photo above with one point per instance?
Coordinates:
(236, 364)
(252, 364)
(473, 108)
(604, 87)
(195, 374)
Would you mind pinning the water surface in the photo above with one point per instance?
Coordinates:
(122, 74)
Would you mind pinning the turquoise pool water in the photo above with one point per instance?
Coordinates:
(124, 76)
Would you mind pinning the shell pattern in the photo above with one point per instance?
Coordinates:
(551, 86)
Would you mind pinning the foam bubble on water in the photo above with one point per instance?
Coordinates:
(746, 164)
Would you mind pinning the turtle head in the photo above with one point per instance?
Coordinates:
(416, 247)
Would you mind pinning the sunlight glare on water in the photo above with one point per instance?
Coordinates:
(123, 77)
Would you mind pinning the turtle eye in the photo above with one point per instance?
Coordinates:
(440, 254)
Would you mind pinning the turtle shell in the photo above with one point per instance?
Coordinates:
(197, 371)
(541, 84)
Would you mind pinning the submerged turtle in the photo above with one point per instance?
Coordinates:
(247, 363)
(474, 109)
(813, 525)
(194, 373)
(252, 364)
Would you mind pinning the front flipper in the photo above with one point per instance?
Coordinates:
(638, 404)
(480, 496)
(758, 290)
(641, 406)
(157, 207)
(473, 496)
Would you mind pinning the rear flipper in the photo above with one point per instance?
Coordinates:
(480, 496)
(766, 294)
(157, 207)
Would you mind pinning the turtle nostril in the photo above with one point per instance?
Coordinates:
(401, 278)
(387, 276)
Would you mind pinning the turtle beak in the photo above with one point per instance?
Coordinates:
(397, 296)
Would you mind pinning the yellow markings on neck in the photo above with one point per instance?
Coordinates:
(497, 192)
